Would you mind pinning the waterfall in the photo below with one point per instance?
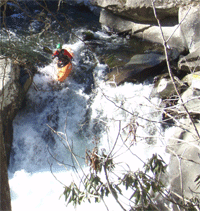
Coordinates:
(36, 179)
(80, 111)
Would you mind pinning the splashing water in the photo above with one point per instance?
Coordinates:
(81, 117)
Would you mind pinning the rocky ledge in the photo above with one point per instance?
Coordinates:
(15, 81)
(179, 31)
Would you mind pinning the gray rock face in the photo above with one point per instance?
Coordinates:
(138, 68)
(12, 93)
(184, 163)
(164, 87)
(189, 79)
(180, 27)
(141, 10)
(191, 101)
(190, 25)
(191, 62)
(138, 18)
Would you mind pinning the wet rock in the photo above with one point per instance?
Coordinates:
(179, 23)
(139, 68)
(12, 94)
(88, 35)
(191, 62)
(191, 101)
(141, 10)
(164, 87)
(145, 31)
(153, 34)
(115, 23)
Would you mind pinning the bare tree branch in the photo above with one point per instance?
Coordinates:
(170, 71)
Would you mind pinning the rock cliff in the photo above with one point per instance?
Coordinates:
(14, 84)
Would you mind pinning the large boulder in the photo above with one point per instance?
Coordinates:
(12, 94)
(13, 88)
(137, 18)
(191, 62)
(190, 99)
(192, 78)
(144, 31)
(190, 25)
(139, 68)
(141, 10)
(184, 163)
(164, 87)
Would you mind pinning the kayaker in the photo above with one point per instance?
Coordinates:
(64, 57)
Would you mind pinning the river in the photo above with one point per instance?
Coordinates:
(83, 111)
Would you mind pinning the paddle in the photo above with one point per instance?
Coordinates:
(47, 50)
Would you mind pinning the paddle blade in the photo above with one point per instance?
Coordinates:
(47, 50)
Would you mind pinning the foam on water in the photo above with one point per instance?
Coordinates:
(64, 107)
(127, 109)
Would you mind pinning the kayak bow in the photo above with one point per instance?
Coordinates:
(63, 72)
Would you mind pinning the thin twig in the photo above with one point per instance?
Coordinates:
(50, 164)
(115, 141)
(178, 25)
(110, 188)
(170, 71)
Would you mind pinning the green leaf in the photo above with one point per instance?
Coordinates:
(133, 195)
(118, 189)
(137, 197)
(147, 187)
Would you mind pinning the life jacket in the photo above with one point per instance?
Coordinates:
(62, 53)
(64, 57)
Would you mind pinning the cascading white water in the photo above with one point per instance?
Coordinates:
(82, 117)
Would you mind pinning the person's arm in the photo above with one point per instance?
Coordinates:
(54, 54)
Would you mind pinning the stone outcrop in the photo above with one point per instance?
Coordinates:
(12, 94)
(14, 84)
(141, 10)
(179, 21)
(138, 68)
(164, 87)
(191, 62)
(190, 26)
(184, 163)
(183, 145)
